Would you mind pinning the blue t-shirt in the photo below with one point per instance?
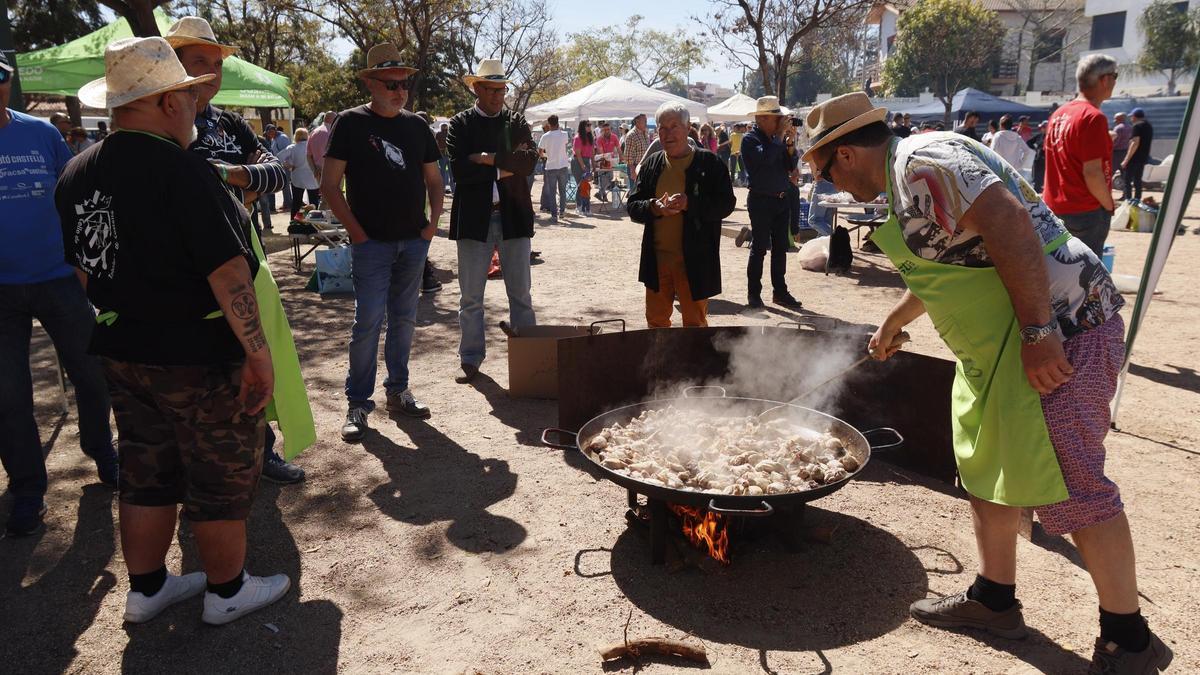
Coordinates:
(32, 155)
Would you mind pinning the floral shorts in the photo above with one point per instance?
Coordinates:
(1077, 416)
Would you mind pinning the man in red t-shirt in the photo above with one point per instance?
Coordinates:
(1079, 155)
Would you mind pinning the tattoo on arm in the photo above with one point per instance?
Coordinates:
(244, 305)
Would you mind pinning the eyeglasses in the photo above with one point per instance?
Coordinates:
(823, 172)
(393, 85)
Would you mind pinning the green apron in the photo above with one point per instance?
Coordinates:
(1001, 443)
(289, 404)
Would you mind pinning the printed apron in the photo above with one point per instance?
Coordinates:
(1001, 443)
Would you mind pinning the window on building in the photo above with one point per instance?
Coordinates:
(1108, 30)
(1049, 46)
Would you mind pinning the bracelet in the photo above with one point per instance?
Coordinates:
(224, 172)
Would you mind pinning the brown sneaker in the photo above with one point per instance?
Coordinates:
(1110, 659)
(959, 611)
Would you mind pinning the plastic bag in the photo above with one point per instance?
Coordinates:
(1120, 217)
(334, 270)
(814, 254)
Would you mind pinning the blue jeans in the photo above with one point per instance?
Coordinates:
(63, 310)
(387, 279)
(447, 175)
(266, 204)
(818, 216)
(556, 182)
(473, 260)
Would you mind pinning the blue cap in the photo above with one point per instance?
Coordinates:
(1137, 112)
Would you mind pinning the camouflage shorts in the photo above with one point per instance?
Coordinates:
(184, 439)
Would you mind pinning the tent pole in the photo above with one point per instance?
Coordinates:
(1180, 183)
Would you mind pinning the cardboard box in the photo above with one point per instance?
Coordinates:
(533, 360)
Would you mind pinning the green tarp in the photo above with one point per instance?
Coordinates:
(62, 70)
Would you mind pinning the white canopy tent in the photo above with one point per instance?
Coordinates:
(736, 108)
(610, 99)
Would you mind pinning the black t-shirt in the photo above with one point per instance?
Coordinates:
(148, 222)
(901, 130)
(1144, 131)
(385, 170)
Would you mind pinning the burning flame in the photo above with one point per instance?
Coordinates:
(706, 531)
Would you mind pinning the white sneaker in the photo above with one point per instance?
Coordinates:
(256, 593)
(139, 608)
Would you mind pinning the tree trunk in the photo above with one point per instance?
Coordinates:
(1171, 82)
(139, 14)
(74, 111)
(1033, 64)
(946, 120)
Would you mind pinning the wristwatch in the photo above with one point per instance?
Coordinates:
(1031, 335)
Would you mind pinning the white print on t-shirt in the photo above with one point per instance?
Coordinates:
(222, 143)
(98, 233)
(394, 155)
(25, 176)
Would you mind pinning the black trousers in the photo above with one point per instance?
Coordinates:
(314, 197)
(1133, 180)
(769, 227)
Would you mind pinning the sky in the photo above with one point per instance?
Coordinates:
(665, 15)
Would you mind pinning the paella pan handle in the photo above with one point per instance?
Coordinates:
(816, 322)
(594, 327)
(548, 432)
(688, 391)
(886, 446)
(765, 511)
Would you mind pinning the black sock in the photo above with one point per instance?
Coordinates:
(227, 589)
(1129, 631)
(994, 596)
(149, 583)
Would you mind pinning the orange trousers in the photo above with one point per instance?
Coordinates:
(672, 284)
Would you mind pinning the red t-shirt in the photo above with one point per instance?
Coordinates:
(1077, 133)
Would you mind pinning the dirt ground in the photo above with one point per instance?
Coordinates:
(463, 545)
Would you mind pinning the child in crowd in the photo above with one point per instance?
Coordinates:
(583, 197)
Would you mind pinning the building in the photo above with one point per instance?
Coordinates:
(708, 93)
(1043, 42)
(1114, 31)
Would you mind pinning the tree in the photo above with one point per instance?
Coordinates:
(1172, 41)
(945, 45)
(37, 25)
(323, 84)
(139, 14)
(652, 57)
(765, 35)
(1046, 26)
(519, 33)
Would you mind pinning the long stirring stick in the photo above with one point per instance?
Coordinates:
(900, 339)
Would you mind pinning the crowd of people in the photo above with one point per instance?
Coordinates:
(180, 331)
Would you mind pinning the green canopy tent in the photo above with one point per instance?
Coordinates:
(62, 70)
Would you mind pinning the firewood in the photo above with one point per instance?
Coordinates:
(655, 645)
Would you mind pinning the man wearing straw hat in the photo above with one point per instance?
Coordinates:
(771, 167)
(227, 141)
(179, 332)
(1031, 315)
(389, 159)
(491, 152)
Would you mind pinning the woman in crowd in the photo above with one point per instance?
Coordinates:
(295, 160)
(708, 138)
(584, 147)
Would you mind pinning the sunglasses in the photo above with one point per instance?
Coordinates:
(393, 85)
(5, 75)
(823, 172)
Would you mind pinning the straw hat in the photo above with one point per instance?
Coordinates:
(489, 70)
(136, 68)
(192, 30)
(384, 58)
(768, 105)
(832, 119)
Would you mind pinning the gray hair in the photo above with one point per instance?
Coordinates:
(1092, 67)
(673, 108)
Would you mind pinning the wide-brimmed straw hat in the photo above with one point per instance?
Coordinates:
(135, 68)
(489, 70)
(832, 119)
(193, 30)
(384, 58)
(769, 105)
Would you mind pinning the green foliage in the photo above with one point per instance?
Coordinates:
(1172, 40)
(37, 24)
(323, 84)
(945, 45)
(651, 57)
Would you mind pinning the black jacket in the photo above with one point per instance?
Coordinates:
(507, 136)
(710, 199)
